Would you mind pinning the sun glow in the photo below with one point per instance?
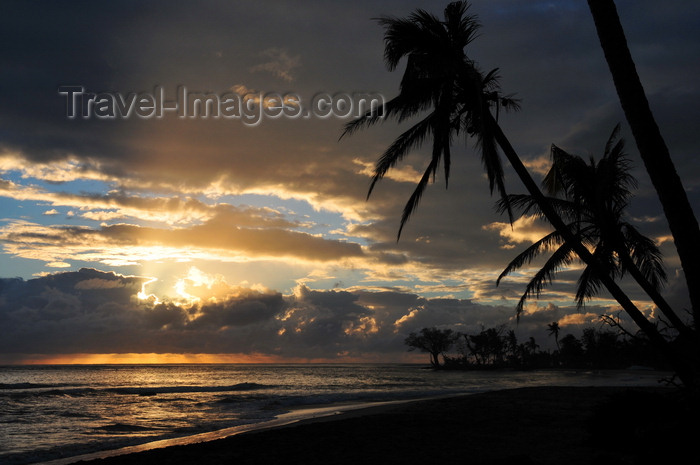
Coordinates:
(173, 358)
(143, 295)
(144, 359)
(195, 280)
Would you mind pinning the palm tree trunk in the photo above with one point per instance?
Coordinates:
(651, 145)
(655, 295)
(685, 372)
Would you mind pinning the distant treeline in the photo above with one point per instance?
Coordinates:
(499, 348)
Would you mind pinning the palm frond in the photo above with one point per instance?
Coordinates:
(525, 204)
(408, 140)
(510, 103)
(588, 285)
(447, 156)
(463, 27)
(559, 259)
(613, 142)
(564, 176)
(399, 108)
(552, 181)
(615, 170)
(413, 201)
(491, 160)
(522, 203)
(401, 37)
(548, 242)
(646, 256)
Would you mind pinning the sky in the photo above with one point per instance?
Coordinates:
(138, 226)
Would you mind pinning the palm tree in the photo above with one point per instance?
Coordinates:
(438, 77)
(553, 329)
(651, 145)
(593, 197)
(441, 80)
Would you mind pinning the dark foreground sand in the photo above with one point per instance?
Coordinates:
(543, 425)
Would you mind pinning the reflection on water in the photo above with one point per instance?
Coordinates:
(53, 411)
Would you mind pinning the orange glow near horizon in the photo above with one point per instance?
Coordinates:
(170, 358)
(145, 359)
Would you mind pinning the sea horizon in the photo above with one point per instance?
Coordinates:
(64, 411)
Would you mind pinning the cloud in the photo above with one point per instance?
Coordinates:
(525, 229)
(279, 63)
(95, 312)
(70, 168)
(222, 236)
(91, 311)
(115, 204)
(399, 174)
(58, 265)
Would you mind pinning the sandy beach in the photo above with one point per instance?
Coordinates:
(542, 425)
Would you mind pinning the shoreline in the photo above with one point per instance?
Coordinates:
(213, 416)
(540, 425)
(298, 415)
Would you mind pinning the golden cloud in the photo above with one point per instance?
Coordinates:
(525, 229)
(221, 238)
(279, 63)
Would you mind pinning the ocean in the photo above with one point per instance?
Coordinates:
(64, 411)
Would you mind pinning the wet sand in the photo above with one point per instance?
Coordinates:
(542, 425)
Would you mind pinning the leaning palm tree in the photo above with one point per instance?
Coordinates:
(440, 79)
(459, 99)
(592, 196)
(651, 145)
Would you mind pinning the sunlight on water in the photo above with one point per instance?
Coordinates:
(53, 411)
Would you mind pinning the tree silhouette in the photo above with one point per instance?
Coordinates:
(651, 145)
(571, 351)
(440, 79)
(434, 341)
(553, 329)
(489, 347)
(593, 197)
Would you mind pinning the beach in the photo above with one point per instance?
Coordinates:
(59, 412)
(540, 425)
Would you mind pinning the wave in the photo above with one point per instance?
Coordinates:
(124, 428)
(22, 390)
(72, 392)
(316, 399)
(151, 391)
(16, 386)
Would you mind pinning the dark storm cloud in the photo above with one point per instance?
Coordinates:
(63, 313)
(45, 46)
(548, 54)
(242, 310)
(90, 311)
(131, 47)
(547, 51)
